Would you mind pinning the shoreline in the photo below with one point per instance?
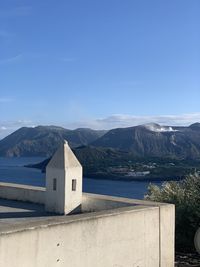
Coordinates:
(131, 179)
(111, 177)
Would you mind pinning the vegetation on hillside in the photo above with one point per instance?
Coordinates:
(110, 163)
(186, 197)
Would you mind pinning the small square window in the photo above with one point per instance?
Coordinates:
(54, 184)
(73, 184)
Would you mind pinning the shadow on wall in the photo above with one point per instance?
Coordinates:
(19, 209)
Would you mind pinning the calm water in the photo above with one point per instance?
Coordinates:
(12, 171)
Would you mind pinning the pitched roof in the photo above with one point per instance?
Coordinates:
(64, 158)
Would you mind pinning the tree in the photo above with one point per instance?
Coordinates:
(186, 197)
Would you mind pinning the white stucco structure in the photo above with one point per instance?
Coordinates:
(63, 182)
(109, 232)
(106, 231)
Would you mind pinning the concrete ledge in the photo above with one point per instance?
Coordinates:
(22, 193)
(94, 203)
(125, 237)
(110, 231)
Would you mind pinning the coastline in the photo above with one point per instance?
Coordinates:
(130, 178)
(114, 177)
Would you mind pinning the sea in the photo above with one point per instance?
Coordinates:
(12, 170)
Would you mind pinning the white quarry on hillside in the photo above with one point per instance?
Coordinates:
(63, 182)
(154, 127)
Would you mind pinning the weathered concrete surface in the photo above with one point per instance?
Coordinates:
(107, 232)
(123, 239)
(20, 192)
(12, 211)
(132, 234)
(167, 230)
(94, 203)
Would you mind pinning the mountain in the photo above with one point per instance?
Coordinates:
(147, 151)
(153, 140)
(195, 126)
(148, 140)
(44, 140)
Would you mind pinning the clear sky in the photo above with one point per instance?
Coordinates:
(99, 63)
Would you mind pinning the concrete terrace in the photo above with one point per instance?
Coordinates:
(15, 215)
(142, 231)
(61, 226)
(12, 210)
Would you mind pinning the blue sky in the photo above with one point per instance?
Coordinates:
(99, 63)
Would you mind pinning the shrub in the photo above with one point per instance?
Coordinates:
(186, 197)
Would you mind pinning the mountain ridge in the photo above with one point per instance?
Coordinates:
(154, 141)
(147, 140)
(44, 140)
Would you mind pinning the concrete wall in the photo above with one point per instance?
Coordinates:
(167, 233)
(22, 192)
(166, 241)
(93, 203)
(126, 238)
(120, 233)
(33, 194)
(73, 198)
(54, 200)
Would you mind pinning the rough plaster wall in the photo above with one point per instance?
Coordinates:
(129, 239)
(22, 193)
(73, 198)
(91, 204)
(167, 233)
(54, 200)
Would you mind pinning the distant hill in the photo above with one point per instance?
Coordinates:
(149, 140)
(145, 152)
(153, 140)
(94, 159)
(109, 163)
(44, 140)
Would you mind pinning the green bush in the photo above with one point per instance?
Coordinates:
(186, 197)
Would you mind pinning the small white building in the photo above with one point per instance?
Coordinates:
(63, 182)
